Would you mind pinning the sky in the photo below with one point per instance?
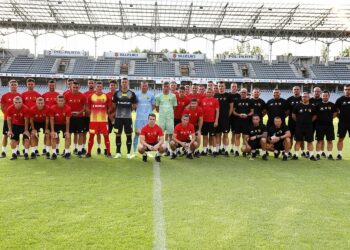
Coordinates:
(111, 43)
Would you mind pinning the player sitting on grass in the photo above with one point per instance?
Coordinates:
(59, 120)
(18, 123)
(279, 138)
(184, 136)
(151, 139)
(39, 119)
(256, 138)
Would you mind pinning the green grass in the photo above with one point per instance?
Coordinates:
(209, 203)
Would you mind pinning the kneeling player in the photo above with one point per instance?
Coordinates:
(184, 136)
(99, 105)
(151, 139)
(196, 119)
(18, 123)
(256, 138)
(59, 120)
(39, 120)
(279, 138)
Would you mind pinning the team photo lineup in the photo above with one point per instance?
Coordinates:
(193, 120)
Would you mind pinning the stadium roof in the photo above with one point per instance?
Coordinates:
(182, 19)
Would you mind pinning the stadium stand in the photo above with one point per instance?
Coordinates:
(23, 62)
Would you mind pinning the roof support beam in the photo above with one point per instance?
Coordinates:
(187, 20)
(123, 18)
(285, 21)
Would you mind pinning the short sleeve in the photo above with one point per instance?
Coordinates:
(143, 132)
(157, 100)
(115, 97)
(174, 100)
(133, 98)
(160, 131)
(68, 112)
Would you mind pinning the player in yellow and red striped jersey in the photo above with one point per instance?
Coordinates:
(99, 106)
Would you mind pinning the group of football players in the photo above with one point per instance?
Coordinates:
(189, 117)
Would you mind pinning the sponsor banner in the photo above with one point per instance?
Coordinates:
(179, 79)
(111, 54)
(67, 53)
(179, 56)
(242, 58)
(342, 59)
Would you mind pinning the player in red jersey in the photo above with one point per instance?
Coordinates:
(99, 106)
(39, 120)
(77, 102)
(29, 97)
(69, 86)
(60, 114)
(17, 116)
(91, 90)
(201, 90)
(173, 88)
(151, 139)
(50, 99)
(110, 94)
(187, 90)
(51, 95)
(7, 101)
(195, 94)
(184, 137)
(182, 103)
(210, 106)
(196, 119)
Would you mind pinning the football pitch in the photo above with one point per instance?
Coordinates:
(206, 203)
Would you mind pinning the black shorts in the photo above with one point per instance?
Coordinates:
(179, 146)
(5, 128)
(76, 125)
(60, 128)
(152, 144)
(208, 129)
(279, 145)
(86, 123)
(254, 144)
(233, 120)
(176, 121)
(121, 123)
(304, 133)
(291, 126)
(110, 126)
(325, 131)
(242, 126)
(223, 125)
(38, 126)
(17, 130)
(343, 128)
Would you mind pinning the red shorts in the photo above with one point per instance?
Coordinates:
(98, 128)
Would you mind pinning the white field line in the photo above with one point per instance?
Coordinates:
(158, 217)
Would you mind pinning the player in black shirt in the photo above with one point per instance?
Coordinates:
(234, 96)
(256, 138)
(279, 139)
(292, 101)
(304, 114)
(316, 99)
(343, 107)
(243, 110)
(226, 109)
(276, 106)
(124, 102)
(258, 104)
(325, 112)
